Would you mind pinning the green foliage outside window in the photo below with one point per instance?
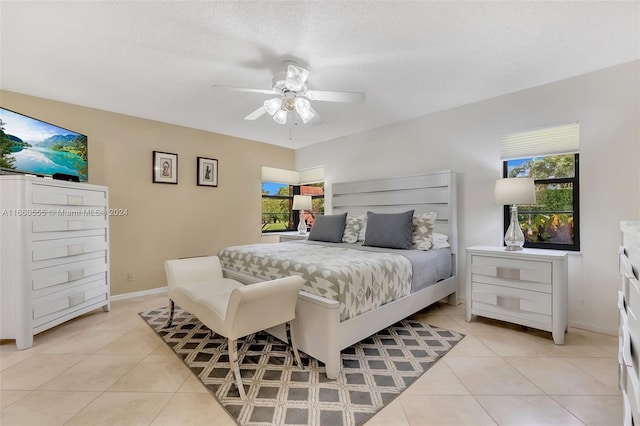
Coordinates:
(551, 219)
(276, 207)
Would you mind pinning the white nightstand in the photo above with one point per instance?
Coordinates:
(527, 287)
(292, 236)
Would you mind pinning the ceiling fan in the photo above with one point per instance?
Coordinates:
(292, 94)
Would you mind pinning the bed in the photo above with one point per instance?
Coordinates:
(347, 297)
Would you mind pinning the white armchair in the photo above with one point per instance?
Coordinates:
(228, 307)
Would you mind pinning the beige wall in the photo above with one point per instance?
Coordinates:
(163, 221)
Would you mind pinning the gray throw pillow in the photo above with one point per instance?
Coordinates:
(391, 230)
(328, 228)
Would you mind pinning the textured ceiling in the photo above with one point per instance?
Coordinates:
(158, 60)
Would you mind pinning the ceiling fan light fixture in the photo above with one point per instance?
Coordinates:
(296, 77)
(303, 108)
(272, 105)
(280, 116)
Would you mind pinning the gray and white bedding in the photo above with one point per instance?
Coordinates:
(360, 278)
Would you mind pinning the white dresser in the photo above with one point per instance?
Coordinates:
(54, 254)
(527, 287)
(629, 304)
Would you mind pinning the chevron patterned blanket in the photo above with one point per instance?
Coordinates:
(359, 280)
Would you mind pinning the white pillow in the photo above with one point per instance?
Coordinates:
(437, 237)
(353, 228)
(363, 229)
(422, 229)
(440, 244)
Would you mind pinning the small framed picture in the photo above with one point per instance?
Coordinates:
(207, 171)
(165, 167)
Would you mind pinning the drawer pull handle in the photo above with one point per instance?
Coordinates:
(508, 302)
(74, 200)
(76, 299)
(75, 274)
(508, 273)
(75, 249)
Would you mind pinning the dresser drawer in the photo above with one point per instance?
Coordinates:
(632, 306)
(67, 223)
(623, 333)
(512, 269)
(625, 272)
(68, 247)
(514, 302)
(68, 272)
(631, 244)
(52, 306)
(629, 284)
(622, 377)
(62, 196)
(624, 341)
(627, 420)
(633, 394)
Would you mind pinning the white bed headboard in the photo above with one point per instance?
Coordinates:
(430, 192)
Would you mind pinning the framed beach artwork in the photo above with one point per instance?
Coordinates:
(207, 171)
(165, 167)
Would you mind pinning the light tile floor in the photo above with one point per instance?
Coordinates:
(111, 368)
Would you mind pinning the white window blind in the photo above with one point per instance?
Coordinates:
(292, 177)
(564, 139)
(272, 174)
(313, 175)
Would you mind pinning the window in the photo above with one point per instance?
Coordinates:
(277, 200)
(553, 222)
(550, 157)
(278, 188)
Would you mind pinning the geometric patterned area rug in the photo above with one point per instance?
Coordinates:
(374, 371)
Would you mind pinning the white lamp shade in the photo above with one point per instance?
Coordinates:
(272, 105)
(302, 202)
(280, 116)
(515, 191)
(303, 107)
(296, 76)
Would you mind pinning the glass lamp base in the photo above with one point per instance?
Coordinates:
(514, 238)
(302, 224)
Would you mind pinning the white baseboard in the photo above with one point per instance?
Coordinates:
(131, 295)
(591, 327)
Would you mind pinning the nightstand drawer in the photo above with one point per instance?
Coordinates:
(531, 305)
(512, 269)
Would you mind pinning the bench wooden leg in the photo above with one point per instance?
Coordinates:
(292, 342)
(173, 305)
(233, 357)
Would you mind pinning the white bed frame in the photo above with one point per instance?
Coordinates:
(317, 327)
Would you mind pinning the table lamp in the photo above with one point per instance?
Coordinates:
(302, 203)
(514, 191)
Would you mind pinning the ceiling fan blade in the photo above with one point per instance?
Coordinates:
(245, 89)
(316, 119)
(332, 96)
(256, 114)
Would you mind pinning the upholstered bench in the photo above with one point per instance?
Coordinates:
(228, 307)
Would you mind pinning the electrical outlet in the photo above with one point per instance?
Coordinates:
(130, 276)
